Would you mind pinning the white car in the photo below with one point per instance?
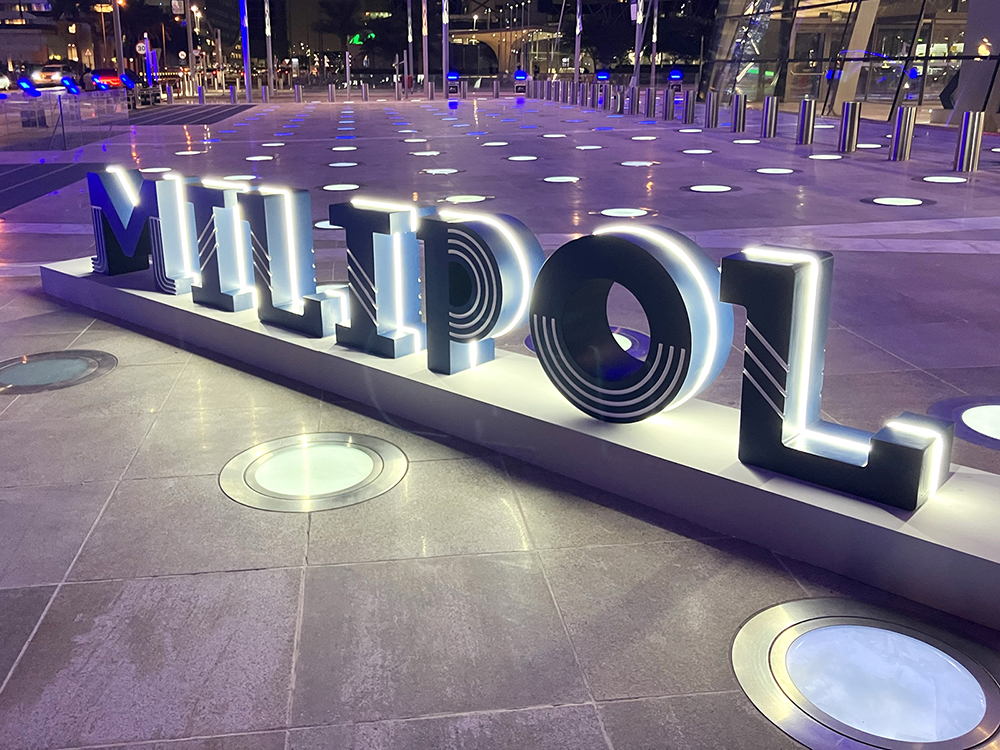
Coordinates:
(4, 81)
(52, 75)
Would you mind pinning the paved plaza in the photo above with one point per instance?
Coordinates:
(482, 603)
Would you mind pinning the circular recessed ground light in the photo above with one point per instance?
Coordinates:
(260, 158)
(689, 130)
(824, 126)
(283, 135)
(945, 179)
(774, 170)
(521, 158)
(493, 144)
(697, 151)
(638, 163)
(643, 137)
(240, 177)
(49, 371)
(408, 130)
(414, 140)
(344, 148)
(984, 419)
(465, 198)
(603, 128)
(588, 148)
(342, 164)
(624, 213)
(188, 153)
(561, 178)
(275, 144)
(553, 135)
(341, 187)
(897, 201)
(325, 224)
(425, 153)
(869, 145)
(440, 171)
(710, 188)
(837, 673)
(313, 472)
(825, 157)
(746, 141)
(154, 170)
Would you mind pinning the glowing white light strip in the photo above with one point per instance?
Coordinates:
(397, 288)
(182, 218)
(389, 206)
(209, 182)
(808, 331)
(937, 452)
(839, 441)
(240, 250)
(709, 299)
(519, 253)
(293, 271)
(126, 185)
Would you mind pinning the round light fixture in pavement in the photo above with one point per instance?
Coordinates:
(838, 673)
(49, 371)
(313, 472)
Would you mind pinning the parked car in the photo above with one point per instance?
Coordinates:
(5, 82)
(52, 74)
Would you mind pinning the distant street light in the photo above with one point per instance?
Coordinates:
(475, 18)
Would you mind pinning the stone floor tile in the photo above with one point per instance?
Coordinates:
(131, 348)
(188, 443)
(439, 508)
(976, 381)
(847, 353)
(156, 527)
(562, 512)
(447, 635)
(17, 346)
(418, 443)
(89, 449)
(153, 659)
(658, 619)
(559, 728)
(20, 610)
(260, 741)
(938, 345)
(711, 721)
(122, 392)
(42, 528)
(206, 384)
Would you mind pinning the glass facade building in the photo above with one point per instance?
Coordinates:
(941, 55)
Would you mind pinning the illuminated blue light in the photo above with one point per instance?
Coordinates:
(603, 75)
(71, 86)
(342, 137)
(476, 132)
(605, 127)
(508, 119)
(127, 80)
(520, 75)
(453, 76)
(676, 75)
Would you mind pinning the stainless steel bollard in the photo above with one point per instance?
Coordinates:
(807, 122)
(850, 123)
(650, 102)
(496, 88)
(574, 93)
(689, 99)
(606, 96)
(430, 91)
(170, 94)
(970, 142)
(581, 95)
(902, 133)
(712, 109)
(619, 100)
(548, 91)
(399, 91)
(669, 105)
(769, 117)
(632, 100)
(265, 93)
(201, 95)
(298, 93)
(364, 92)
(594, 97)
(463, 89)
(564, 92)
(331, 92)
(232, 95)
(739, 115)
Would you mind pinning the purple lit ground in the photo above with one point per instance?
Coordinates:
(482, 603)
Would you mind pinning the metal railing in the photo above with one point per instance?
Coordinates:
(59, 120)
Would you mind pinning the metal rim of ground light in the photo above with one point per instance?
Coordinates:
(759, 662)
(237, 476)
(99, 363)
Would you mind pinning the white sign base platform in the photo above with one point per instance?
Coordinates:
(946, 554)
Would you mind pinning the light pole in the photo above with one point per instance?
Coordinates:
(444, 47)
(576, 46)
(409, 41)
(119, 47)
(190, 34)
(423, 32)
(475, 20)
(639, 13)
(245, 43)
(652, 54)
(267, 40)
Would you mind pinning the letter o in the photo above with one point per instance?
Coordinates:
(690, 331)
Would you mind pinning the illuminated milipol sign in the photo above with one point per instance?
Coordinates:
(236, 247)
